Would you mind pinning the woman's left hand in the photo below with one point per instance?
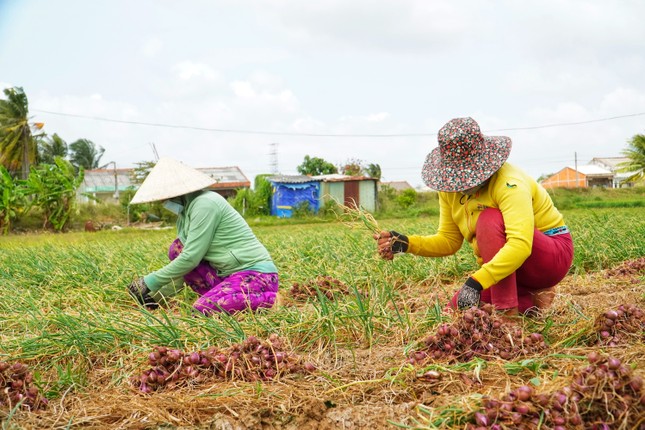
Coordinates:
(141, 293)
(469, 294)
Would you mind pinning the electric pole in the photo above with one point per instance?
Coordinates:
(575, 157)
(274, 158)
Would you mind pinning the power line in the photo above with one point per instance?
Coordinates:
(277, 133)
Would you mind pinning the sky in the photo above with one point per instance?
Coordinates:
(260, 84)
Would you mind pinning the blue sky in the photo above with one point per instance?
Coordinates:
(295, 73)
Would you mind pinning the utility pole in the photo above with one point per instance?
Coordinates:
(274, 158)
(116, 181)
(154, 151)
(575, 157)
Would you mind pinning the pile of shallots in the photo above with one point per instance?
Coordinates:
(477, 332)
(251, 360)
(616, 325)
(604, 395)
(327, 285)
(16, 386)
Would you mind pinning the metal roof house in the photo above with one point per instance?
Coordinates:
(104, 184)
(227, 180)
(613, 164)
(397, 185)
(357, 191)
(290, 191)
(107, 184)
(585, 176)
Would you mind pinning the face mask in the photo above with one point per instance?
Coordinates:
(173, 207)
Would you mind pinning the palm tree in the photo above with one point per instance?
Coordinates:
(18, 146)
(373, 171)
(84, 153)
(51, 147)
(636, 153)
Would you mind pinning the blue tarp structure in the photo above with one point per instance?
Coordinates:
(289, 196)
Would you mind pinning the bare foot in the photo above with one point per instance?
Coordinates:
(542, 299)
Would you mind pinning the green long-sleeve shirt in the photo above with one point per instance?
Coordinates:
(212, 230)
(524, 204)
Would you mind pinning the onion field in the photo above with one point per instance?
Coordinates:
(355, 342)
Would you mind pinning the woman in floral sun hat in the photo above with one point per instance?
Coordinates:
(522, 245)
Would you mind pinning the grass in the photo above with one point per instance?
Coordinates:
(64, 311)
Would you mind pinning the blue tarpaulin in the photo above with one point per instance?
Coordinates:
(289, 196)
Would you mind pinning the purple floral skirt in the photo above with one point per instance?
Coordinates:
(239, 291)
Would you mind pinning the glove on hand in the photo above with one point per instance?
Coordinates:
(399, 242)
(141, 293)
(469, 294)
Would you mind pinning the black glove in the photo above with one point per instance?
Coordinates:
(399, 242)
(141, 293)
(469, 293)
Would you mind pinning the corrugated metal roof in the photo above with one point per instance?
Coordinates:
(611, 162)
(102, 180)
(398, 185)
(226, 175)
(337, 177)
(301, 179)
(292, 179)
(592, 170)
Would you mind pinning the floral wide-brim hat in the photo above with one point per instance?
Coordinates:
(465, 157)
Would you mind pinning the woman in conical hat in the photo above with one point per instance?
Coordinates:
(521, 242)
(215, 253)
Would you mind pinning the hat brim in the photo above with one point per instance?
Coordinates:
(469, 172)
(170, 178)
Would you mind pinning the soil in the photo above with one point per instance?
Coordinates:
(364, 388)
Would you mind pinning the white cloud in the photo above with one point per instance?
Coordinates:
(187, 70)
(400, 26)
(626, 100)
(243, 89)
(152, 47)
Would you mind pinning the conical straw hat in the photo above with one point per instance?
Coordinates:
(170, 178)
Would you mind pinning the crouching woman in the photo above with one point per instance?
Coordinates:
(216, 253)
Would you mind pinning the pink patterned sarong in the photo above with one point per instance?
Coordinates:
(246, 289)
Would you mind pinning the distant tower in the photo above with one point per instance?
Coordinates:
(274, 158)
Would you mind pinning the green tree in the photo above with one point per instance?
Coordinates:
(51, 147)
(151, 211)
(407, 198)
(12, 199)
(18, 148)
(256, 201)
(352, 167)
(635, 151)
(84, 153)
(315, 166)
(141, 171)
(53, 190)
(263, 191)
(373, 171)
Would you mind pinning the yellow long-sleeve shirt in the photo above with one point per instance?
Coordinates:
(524, 204)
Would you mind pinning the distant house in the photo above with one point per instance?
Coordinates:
(104, 184)
(228, 180)
(108, 184)
(613, 164)
(589, 175)
(397, 185)
(290, 191)
(359, 191)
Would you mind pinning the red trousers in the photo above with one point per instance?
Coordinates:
(548, 264)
